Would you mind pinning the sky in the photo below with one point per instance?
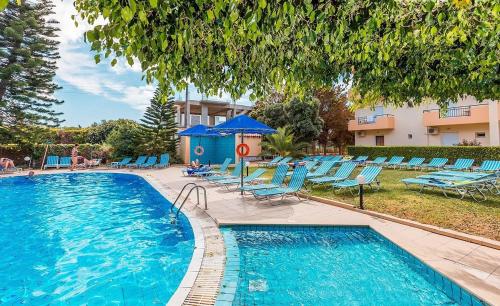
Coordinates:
(94, 92)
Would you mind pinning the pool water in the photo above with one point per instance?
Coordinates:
(93, 239)
(282, 265)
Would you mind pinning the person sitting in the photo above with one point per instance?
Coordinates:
(6, 163)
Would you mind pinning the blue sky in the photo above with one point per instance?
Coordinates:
(95, 92)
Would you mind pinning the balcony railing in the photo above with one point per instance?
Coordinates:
(371, 119)
(468, 114)
(451, 112)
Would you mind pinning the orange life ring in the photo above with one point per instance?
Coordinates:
(199, 150)
(242, 149)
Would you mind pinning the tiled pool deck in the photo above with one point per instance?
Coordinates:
(472, 266)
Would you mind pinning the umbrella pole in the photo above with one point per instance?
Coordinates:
(241, 162)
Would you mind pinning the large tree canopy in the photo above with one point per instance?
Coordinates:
(397, 51)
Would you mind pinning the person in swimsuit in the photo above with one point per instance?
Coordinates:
(74, 157)
(6, 163)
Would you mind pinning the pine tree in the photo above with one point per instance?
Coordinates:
(159, 127)
(28, 54)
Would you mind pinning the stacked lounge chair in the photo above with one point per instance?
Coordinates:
(276, 181)
(65, 162)
(414, 163)
(150, 162)
(52, 162)
(123, 163)
(271, 162)
(461, 164)
(138, 162)
(164, 161)
(294, 186)
(342, 173)
(370, 174)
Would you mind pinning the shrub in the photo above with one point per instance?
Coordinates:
(479, 154)
(125, 139)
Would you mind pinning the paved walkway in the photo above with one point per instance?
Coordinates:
(472, 266)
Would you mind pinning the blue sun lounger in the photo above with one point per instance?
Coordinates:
(322, 169)
(308, 164)
(294, 186)
(489, 166)
(285, 160)
(139, 162)
(394, 162)
(150, 163)
(252, 177)
(276, 181)
(435, 163)
(235, 174)
(360, 159)
(461, 164)
(342, 173)
(377, 161)
(124, 162)
(52, 162)
(65, 162)
(369, 172)
(414, 163)
(221, 171)
(164, 161)
(271, 162)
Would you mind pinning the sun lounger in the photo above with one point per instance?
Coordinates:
(489, 166)
(271, 162)
(377, 161)
(414, 163)
(461, 164)
(308, 164)
(235, 174)
(435, 163)
(285, 160)
(462, 188)
(322, 169)
(65, 162)
(221, 171)
(252, 177)
(394, 162)
(276, 181)
(151, 162)
(164, 161)
(360, 159)
(139, 162)
(52, 162)
(294, 186)
(342, 173)
(124, 162)
(369, 172)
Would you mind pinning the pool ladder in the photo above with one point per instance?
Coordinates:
(194, 186)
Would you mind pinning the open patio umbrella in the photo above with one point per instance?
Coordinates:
(240, 125)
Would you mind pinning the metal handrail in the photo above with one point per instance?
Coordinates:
(195, 186)
(364, 119)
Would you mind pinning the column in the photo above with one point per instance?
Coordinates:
(187, 110)
(493, 112)
(204, 114)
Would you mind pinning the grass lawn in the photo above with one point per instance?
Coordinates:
(430, 207)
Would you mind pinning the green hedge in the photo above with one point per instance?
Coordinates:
(17, 153)
(479, 154)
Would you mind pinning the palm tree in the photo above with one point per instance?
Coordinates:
(282, 143)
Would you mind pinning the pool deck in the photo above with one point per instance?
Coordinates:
(474, 267)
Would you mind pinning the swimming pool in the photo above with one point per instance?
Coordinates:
(289, 265)
(93, 238)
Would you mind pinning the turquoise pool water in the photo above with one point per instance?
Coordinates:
(282, 265)
(89, 239)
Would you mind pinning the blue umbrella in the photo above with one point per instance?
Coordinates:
(199, 130)
(243, 124)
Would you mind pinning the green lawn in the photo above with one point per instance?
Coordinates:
(430, 207)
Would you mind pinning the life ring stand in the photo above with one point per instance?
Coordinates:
(242, 149)
(199, 150)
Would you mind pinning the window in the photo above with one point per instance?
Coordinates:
(379, 140)
(195, 119)
(410, 136)
(480, 134)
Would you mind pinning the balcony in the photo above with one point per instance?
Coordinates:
(379, 122)
(470, 114)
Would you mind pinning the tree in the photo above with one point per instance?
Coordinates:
(125, 139)
(334, 111)
(301, 115)
(159, 127)
(390, 51)
(28, 54)
(98, 132)
(282, 143)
